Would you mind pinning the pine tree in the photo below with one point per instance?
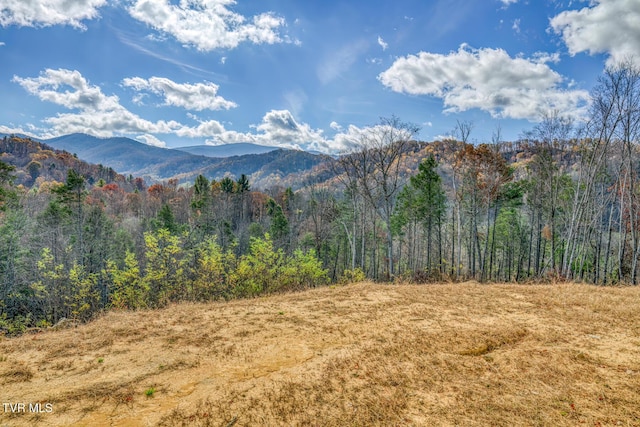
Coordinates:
(7, 194)
(279, 223)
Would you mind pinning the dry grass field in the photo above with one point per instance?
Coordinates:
(359, 355)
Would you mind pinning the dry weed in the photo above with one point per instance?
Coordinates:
(379, 355)
(18, 373)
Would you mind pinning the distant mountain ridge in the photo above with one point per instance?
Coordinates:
(227, 150)
(131, 157)
(122, 154)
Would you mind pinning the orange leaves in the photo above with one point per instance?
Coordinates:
(484, 169)
(110, 187)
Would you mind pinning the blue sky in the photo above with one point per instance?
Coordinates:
(308, 74)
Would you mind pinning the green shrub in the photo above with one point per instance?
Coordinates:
(352, 276)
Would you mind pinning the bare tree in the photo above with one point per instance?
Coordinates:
(614, 122)
(462, 130)
(374, 165)
(550, 138)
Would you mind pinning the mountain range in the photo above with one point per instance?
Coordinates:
(264, 165)
(227, 150)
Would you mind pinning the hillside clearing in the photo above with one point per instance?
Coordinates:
(365, 354)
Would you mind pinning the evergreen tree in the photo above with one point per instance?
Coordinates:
(423, 202)
(430, 204)
(227, 185)
(279, 223)
(242, 184)
(71, 197)
(201, 192)
(166, 220)
(7, 194)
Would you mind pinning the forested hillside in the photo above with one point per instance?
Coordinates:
(562, 203)
(37, 163)
(154, 164)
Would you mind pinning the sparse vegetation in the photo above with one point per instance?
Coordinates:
(18, 373)
(366, 354)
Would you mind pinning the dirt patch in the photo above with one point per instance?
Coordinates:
(366, 354)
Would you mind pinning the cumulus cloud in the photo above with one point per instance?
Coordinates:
(508, 2)
(486, 79)
(44, 13)
(198, 97)
(281, 128)
(96, 113)
(605, 26)
(205, 129)
(207, 24)
(335, 126)
(151, 140)
(19, 131)
(356, 137)
(48, 87)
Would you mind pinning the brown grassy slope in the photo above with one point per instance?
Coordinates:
(366, 354)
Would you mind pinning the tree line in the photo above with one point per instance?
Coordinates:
(561, 203)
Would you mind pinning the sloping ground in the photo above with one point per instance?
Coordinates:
(360, 355)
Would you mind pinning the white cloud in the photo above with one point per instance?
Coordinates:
(98, 114)
(384, 45)
(44, 13)
(151, 140)
(102, 115)
(508, 2)
(198, 97)
(544, 57)
(605, 26)
(356, 137)
(207, 24)
(2, 43)
(18, 131)
(279, 127)
(487, 79)
(205, 129)
(48, 87)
